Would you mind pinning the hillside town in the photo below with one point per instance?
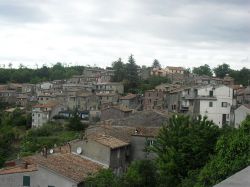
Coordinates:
(119, 124)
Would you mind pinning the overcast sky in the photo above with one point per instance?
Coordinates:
(184, 33)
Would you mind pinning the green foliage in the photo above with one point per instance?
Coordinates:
(152, 82)
(119, 71)
(241, 76)
(104, 178)
(232, 155)
(24, 74)
(141, 174)
(203, 70)
(131, 73)
(182, 146)
(156, 64)
(48, 135)
(75, 124)
(221, 70)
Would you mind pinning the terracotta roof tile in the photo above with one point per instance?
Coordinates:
(107, 140)
(68, 165)
(18, 169)
(129, 96)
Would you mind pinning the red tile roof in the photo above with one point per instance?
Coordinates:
(18, 169)
(107, 140)
(129, 96)
(68, 165)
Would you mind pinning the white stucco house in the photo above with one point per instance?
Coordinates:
(215, 102)
(212, 101)
(42, 113)
(240, 114)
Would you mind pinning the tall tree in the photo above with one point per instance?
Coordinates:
(182, 146)
(221, 70)
(156, 64)
(119, 70)
(141, 174)
(132, 72)
(203, 70)
(232, 155)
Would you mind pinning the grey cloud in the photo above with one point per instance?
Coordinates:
(21, 12)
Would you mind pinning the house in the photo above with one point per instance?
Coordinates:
(18, 175)
(243, 95)
(107, 99)
(141, 139)
(154, 99)
(213, 101)
(42, 113)
(115, 112)
(46, 86)
(83, 101)
(158, 72)
(8, 96)
(240, 114)
(104, 149)
(138, 137)
(166, 87)
(227, 80)
(174, 70)
(132, 101)
(239, 179)
(54, 169)
(109, 87)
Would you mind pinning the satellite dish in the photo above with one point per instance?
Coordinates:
(51, 151)
(79, 150)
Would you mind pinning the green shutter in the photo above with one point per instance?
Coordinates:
(26, 180)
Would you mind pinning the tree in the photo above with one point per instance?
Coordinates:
(119, 70)
(222, 70)
(232, 154)
(203, 70)
(156, 64)
(104, 178)
(132, 73)
(75, 123)
(182, 146)
(141, 174)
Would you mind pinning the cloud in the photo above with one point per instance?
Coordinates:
(184, 32)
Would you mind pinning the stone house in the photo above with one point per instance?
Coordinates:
(139, 138)
(173, 70)
(42, 113)
(154, 99)
(107, 99)
(115, 112)
(104, 149)
(109, 87)
(64, 170)
(132, 101)
(8, 96)
(83, 101)
(240, 114)
(158, 72)
(243, 96)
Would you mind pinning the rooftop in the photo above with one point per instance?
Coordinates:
(129, 96)
(107, 140)
(18, 169)
(239, 179)
(68, 165)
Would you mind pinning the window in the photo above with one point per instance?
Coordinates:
(210, 104)
(224, 104)
(211, 93)
(26, 180)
